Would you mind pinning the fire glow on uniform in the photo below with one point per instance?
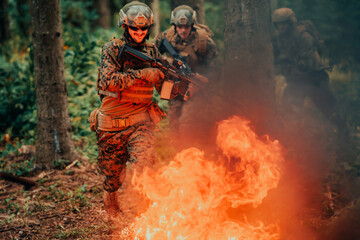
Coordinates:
(190, 196)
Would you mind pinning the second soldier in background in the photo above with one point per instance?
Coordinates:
(193, 42)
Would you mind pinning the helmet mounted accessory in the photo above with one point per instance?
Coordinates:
(136, 15)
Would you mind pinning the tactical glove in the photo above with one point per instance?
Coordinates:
(150, 74)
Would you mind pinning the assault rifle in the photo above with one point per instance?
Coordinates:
(170, 71)
(185, 68)
(178, 60)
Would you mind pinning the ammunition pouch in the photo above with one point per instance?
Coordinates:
(166, 89)
(156, 113)
(93, 119)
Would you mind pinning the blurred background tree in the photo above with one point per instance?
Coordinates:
(4, 21)
(249, 57)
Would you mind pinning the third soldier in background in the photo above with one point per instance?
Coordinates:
(297, 49)
(192, 41)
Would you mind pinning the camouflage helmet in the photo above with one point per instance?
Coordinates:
(183, 15)
(283, 15)
(136, 14)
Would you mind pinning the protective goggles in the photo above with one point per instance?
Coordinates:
(136, 28)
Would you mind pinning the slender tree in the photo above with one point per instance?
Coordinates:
(103, 10)
(53, 133)
(24, 20)
(4, 21)
(248, 57)
(154, 5)
(197, 5)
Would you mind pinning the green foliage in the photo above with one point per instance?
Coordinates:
(20, 167)
(165, 12)
(81, 61)
(11, 206)
(78, 15)
(20, 20)
(10, 149)
(215, 20)
(17, 98)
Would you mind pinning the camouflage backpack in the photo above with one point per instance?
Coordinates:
(308, 26)
(204, 33)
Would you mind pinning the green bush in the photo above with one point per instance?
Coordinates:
(17, 98)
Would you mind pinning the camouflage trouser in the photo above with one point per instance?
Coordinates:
(134, 144)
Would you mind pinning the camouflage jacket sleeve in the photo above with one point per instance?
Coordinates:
(308, 55)
(111, 78)
(212, 55)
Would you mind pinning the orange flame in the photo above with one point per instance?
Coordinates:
(190, 196)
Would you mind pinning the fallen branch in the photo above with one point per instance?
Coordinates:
(21, 180)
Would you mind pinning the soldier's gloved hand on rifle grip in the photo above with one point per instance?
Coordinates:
(150, 74)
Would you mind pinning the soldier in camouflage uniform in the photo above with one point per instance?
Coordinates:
(128, 113)
(297, 58)
(194, 44)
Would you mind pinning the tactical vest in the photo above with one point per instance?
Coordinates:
(190, 50)
(141, 91)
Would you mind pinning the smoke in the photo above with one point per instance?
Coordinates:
(299, 204)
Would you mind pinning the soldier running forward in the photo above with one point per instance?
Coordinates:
(297, 49)
(125, 122)
(193, 42)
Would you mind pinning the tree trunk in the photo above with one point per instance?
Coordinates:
(154, 5)
(4, 22)
(53, 131)
(114, 9)
(197, 5)
(249, 57)
(103, 10)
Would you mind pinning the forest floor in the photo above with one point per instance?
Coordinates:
(67, 204)
(64, 204)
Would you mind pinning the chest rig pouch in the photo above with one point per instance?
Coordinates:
(195, 49)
